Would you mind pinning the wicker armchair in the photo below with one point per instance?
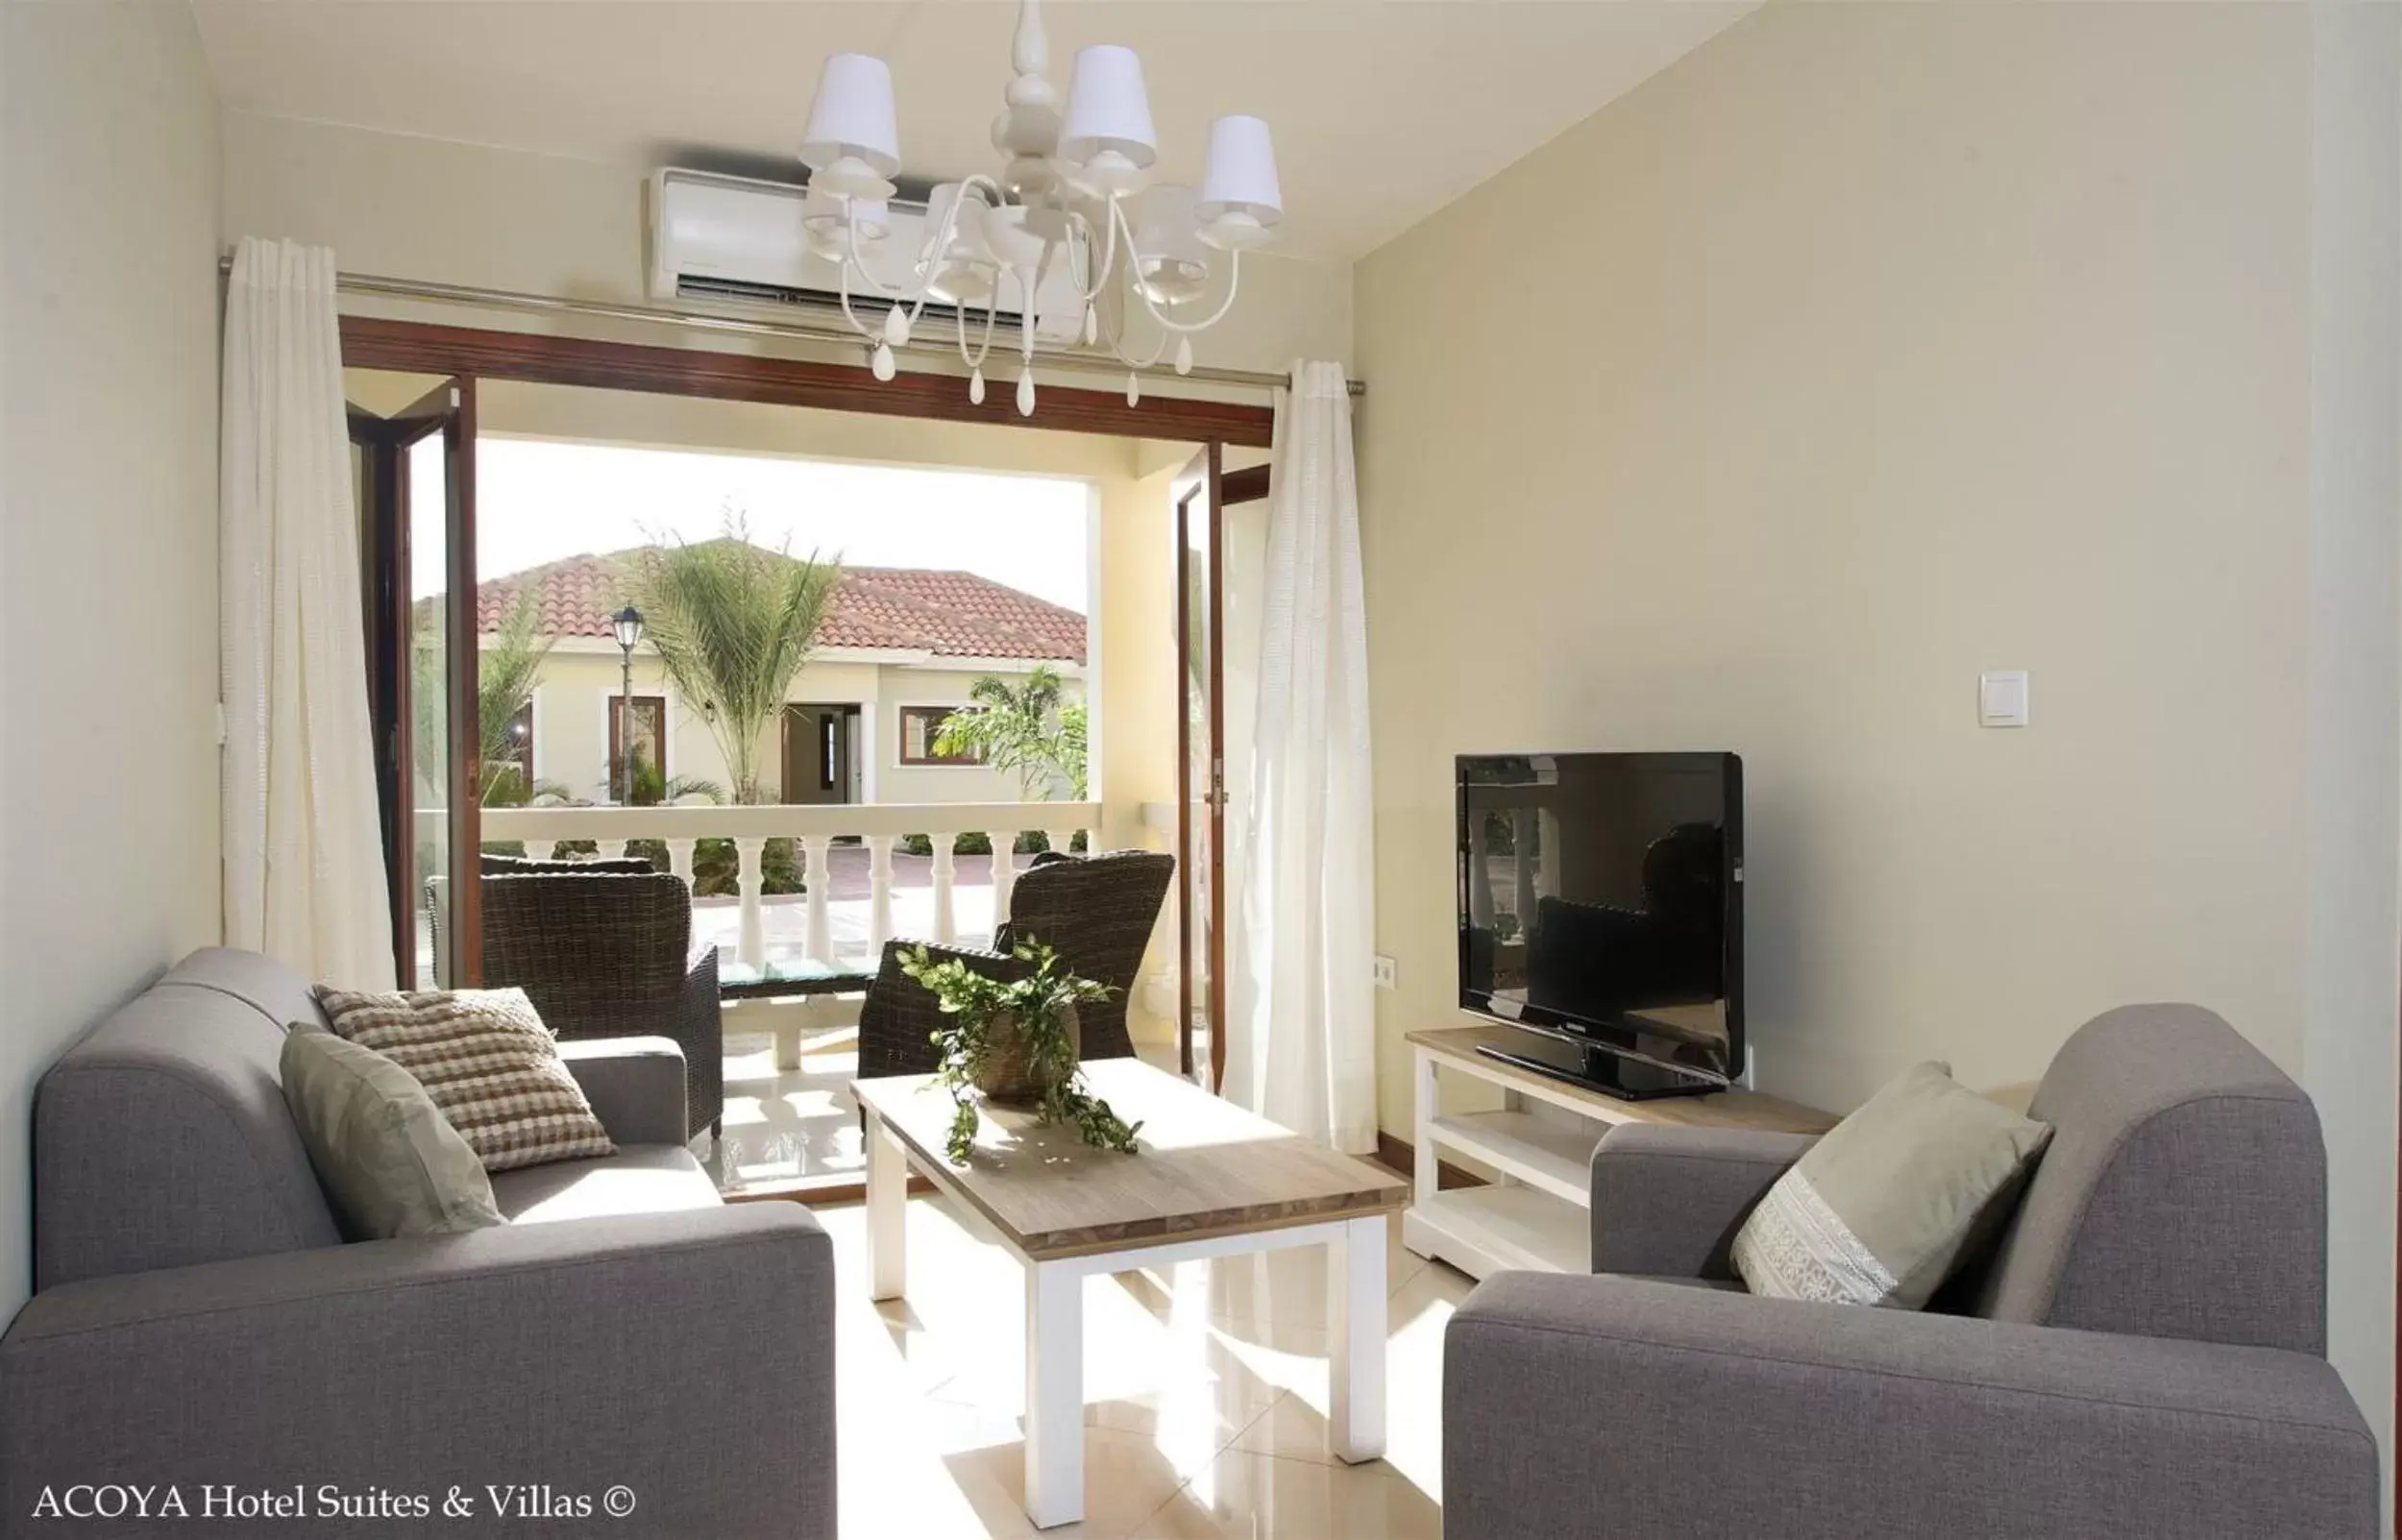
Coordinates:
(609, 955)
(1096, 912)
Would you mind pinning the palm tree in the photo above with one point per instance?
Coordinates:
(506, 674)
(1023, 728)
(733, 625)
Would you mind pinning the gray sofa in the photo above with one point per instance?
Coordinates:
(199, 1322)
(2142, 1354)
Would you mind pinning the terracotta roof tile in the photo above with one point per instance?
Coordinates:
(951, 614)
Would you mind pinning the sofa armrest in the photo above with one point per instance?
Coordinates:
(1580, 1406)
(635, 1084)
(1667, 1201)
(582, 1355)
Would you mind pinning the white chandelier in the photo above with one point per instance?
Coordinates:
(1062, 196)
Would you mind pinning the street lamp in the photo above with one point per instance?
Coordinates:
(626, 625)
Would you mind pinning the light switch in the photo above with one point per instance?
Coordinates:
(2001, 699)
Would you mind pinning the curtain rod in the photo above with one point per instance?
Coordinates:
(407, 288)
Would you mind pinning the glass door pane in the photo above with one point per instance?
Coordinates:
(416, 506)
(430, 762)
(1201, 771)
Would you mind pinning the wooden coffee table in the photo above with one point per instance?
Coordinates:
(1211, 1181)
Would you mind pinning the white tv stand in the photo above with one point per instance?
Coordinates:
(1537, 1215)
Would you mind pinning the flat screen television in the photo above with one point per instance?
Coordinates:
(1601, 910)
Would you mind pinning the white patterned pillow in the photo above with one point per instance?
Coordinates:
(1881, 1209)
(487, 1061)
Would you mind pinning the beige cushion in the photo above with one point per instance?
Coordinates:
(489, 1063)
(389, 1158)
(1881, 1209)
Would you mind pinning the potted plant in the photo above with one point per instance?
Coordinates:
(1016, 1040)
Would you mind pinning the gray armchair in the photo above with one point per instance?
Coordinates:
(2140, 1354)
(200, 1321)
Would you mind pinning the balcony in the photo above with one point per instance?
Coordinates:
(788, 1121)
(856, 897)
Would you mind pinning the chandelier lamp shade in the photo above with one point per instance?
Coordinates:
(1073, 196)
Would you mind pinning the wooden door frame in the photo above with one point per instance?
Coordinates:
(416, 347)
(464, 639)
(449, 411)
(468, 354)
(383, 594)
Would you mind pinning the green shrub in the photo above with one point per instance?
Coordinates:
(717, 874)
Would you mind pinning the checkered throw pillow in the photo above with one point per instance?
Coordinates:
(489, 1063)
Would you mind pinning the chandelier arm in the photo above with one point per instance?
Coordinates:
(852, 260)
(1029, 284)
(942, 243)
(950, 226)
(1108, 253)
(959, 329)
(1234, 285)
(1115, 332)
(843, 286)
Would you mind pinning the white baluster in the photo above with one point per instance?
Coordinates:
(945, 925)
(1004, 875)
(540, 849)
(751, 857)
(612, 849)
(1062, 839)
(879, 891)
(819, 877)
(680, 853)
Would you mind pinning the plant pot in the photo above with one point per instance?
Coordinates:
(1008, 1074)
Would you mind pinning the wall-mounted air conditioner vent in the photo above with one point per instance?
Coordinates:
(731, 238)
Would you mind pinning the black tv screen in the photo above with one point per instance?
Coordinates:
(1601, 900)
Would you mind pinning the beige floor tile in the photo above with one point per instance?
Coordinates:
(1295, 1427)
(1258, 1497)
(1201, 1392)
(1126, 1479)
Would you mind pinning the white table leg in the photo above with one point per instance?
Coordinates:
(1054, 1394)
(888, 1198)
(1354, 1313)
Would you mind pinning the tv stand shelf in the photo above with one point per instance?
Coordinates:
(1540, 1145)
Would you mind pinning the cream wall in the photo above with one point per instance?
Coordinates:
(1140, 691)
(1880, 345)
(571, 728)
(108, 319)
(896, 782)
(459, 213)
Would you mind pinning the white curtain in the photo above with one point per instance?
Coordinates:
(1302, 1048)
(304, 852)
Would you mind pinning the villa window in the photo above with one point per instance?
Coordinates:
(919, 727)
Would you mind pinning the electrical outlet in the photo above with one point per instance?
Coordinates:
(1386, 978)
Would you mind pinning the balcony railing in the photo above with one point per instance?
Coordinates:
(814, 829)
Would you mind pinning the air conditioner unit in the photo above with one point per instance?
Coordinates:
(733, 239)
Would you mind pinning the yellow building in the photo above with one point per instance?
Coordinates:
(899, 650)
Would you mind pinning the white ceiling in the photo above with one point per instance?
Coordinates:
(1383, 110)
